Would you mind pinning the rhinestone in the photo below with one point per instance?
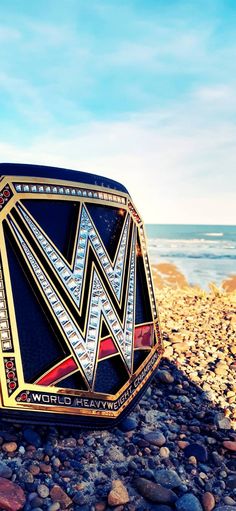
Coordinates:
(5, 335)
(6, 345)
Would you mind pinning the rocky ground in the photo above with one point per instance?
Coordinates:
(177, 449)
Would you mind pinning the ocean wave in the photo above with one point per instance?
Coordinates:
(214, 234)
(179, 241)
(186, 255)
(194, 242)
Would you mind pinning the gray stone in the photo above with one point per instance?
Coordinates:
(154, 492)
(155, 438)
(221, 421)
(164, 376)
(5, 471)
(167, 478)
(225, 508)
(25, 476)
(43, 491)
(116, 455)
(231, 482)
(188, 502)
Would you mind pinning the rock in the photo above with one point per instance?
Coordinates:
(43, 491)
(154, 492)
(230, 445)
(231, 482)
(198, 451)
(164, 452)
(34, 469)
(45, 468)
(221, 369)
(32, 437)
(36, 502)
(100, 506)
(229, 501)
(5, 471)
(58, 495)
(118, 494)
(225, 508)
(188, 502)
(128, 424)
(182, 444)
(217, 458)
(221, 421)
(9, 447)
(161, 507)
(192, 460)
(115, 454)
(167, 478)
(164, 376)
(12, 497)
(25, 476)
(208, 501)
(54, 507)
(69, 442)
(155, 438)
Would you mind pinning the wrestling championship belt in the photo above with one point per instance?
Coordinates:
(79, 331)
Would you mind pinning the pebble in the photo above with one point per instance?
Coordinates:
(128, 424)
(167, 478)
(222, 422)
(100, 506)
(115, 454)
(231, 482)
(118, 494)
(224, 508)
(208, 501)
(54, 507)
(229, 501)
(198, 451)
(43, 491)
(12, 497)
(164, 452)
(155, 438)
(5, 471)
(155, 492)
(9, 447)
(165, 376)
(230, 445)
(188, 503)
(57, 494)
(32, 437)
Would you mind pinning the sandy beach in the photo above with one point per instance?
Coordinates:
(168, 275)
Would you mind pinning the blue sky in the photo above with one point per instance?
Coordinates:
(141, 91)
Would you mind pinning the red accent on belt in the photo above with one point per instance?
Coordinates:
(143, 337)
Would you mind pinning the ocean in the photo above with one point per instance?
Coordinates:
(203, 253)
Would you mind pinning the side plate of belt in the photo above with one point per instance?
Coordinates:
(79, 329)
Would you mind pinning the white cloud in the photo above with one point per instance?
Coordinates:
(178, 166)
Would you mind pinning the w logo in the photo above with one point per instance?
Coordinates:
(79, 333)
(72, 278)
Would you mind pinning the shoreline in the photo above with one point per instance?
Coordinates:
(169, 275)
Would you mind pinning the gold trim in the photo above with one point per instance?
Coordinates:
(9, 401)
